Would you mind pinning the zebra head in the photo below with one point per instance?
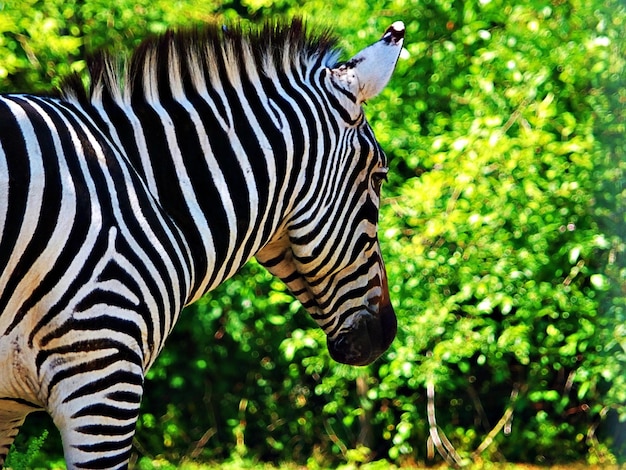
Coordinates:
(328, 253)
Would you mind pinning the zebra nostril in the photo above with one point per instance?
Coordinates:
(351, 347)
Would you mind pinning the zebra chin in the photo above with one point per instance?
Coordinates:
(368, 338)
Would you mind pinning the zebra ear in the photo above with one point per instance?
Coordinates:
(367, 73)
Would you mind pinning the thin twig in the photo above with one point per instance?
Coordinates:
(484, 420)
(366, 433)
(515, 116)
(32, 57)
(591, 432)
(202, 442)
(334, 438)
(506, 418)
(441, 442)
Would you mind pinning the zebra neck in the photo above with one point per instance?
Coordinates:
(216, 175)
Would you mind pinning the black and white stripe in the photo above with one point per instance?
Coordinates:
(121, 204)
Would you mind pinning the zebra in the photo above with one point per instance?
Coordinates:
(124, 200)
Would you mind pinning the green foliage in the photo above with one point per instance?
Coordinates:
(502, 228)
(22, 461)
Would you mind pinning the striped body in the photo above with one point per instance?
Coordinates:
(122, 204)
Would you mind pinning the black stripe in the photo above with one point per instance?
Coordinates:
(21, 401)
(106, 446)
(106, 429)
(102, 383)
(124, 397)
(107, 462)
(101, 409)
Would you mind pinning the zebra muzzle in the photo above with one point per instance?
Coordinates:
(369, 337)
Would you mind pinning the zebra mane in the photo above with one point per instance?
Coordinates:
(201, 56)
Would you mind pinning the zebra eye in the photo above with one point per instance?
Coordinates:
(378, 178)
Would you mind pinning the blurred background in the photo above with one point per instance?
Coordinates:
(502, 225)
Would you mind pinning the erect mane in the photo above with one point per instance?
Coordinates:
(178, 59)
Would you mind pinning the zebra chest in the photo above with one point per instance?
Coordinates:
(110, 299)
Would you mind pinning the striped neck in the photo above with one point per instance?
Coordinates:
(211, 123)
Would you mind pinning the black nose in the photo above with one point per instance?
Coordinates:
(369, 337)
